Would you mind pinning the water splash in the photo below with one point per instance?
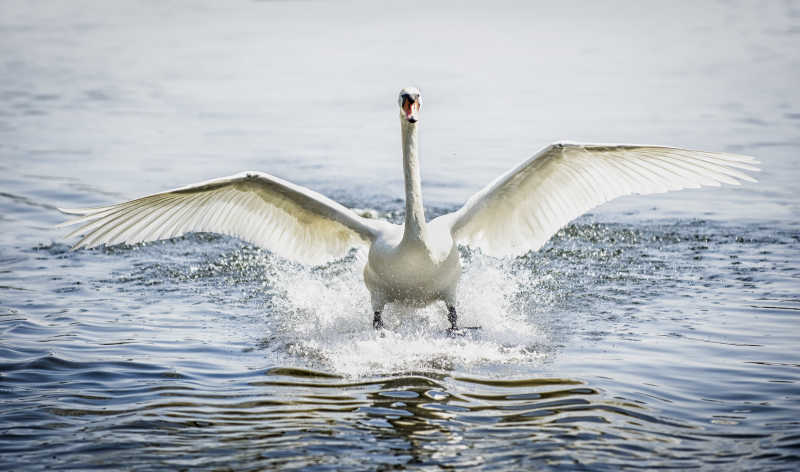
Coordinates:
(327, 321)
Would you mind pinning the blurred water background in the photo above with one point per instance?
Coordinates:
(654, 332)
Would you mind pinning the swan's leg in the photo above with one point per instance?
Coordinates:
(452, 317)
(378, 302)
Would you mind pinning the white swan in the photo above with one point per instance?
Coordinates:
(417, 263)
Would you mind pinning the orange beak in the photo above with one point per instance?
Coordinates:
(410, 109)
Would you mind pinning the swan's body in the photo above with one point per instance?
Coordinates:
(417, 263)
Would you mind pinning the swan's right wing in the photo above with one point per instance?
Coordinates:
(287, 219)
(523, 208)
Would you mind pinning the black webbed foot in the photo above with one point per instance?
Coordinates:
(452, 317)
(377, 322)
(454, 330)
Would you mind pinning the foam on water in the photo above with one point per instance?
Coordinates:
(326, 320)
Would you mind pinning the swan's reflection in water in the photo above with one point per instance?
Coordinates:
(434, 419)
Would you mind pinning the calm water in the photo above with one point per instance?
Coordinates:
(655, 332)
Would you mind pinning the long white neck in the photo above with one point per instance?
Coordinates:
(415, 227)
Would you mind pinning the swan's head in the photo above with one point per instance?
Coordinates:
(410, 100)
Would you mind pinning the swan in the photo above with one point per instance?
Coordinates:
(417, 263)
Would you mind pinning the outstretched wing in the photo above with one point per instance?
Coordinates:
(287, 219)
(523, 208)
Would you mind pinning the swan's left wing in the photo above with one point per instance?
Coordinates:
(523, 208)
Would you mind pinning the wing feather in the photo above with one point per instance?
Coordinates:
(290, 220)
(98, 227)
(523, 208)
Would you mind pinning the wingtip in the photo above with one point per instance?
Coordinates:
(64, 224)
(72, 211)
(69, 222)
(82, 211)
(750, 160)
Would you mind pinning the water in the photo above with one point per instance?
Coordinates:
(655, 332)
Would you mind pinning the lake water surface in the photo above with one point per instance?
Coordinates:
(655, 332)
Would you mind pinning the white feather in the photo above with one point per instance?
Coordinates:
(523, 208)
(290, 220)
